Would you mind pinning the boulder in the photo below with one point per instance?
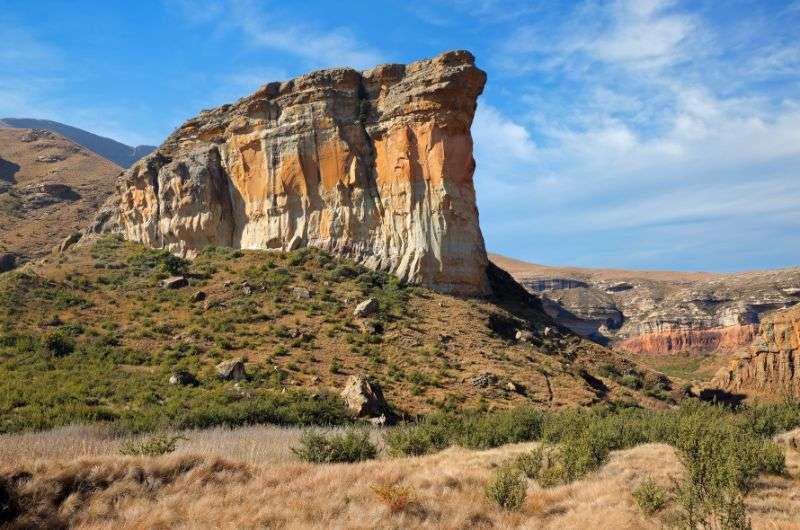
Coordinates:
(232, 370)
(294, 243)
(174, 282)
(199, 296)
(69, 241)
(301, 293)
(524, 336)
(366, 308)
(484, 380)
(183, 378)
(364, 397)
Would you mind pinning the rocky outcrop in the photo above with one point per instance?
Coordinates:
(660, 312)
(375, 165)
(771, 368)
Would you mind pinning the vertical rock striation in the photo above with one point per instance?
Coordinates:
(772, 366)
(374, 165)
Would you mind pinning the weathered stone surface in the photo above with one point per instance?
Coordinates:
(366, 308)
(174, 282)
(771, 369)
(374, 165)
(232, 370)
(657, 312)
(68, 241)
(364, 398)
(184, 378)
(301, 293)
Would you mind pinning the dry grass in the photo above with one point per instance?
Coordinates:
(256, 445)
(444, 490)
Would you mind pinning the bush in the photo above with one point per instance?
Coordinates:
(59, 343)
(472, 430)
(650, 497)
(396, 498)
(352, 446)
(156, 445)
(507, 488)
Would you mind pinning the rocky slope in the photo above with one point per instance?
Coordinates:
(659, 312)
(375, 165)
(49, 187)
(771, 368)
(117, 152)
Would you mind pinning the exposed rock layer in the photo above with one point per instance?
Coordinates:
(656, 312)
(373, 165)
(772, 366)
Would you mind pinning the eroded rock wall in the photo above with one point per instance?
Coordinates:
(771, 369)
(373, 165)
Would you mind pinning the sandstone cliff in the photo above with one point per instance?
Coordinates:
(771, 369)
(374, 165)
(655, 312)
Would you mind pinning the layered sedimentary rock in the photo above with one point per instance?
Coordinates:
(374, 165)
(772, 366)
(660, 312)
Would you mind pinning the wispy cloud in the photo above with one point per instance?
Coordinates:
(644, 123)
(263, 25)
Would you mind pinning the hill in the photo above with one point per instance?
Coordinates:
(117, 152)
(49, 187)
(91, 336)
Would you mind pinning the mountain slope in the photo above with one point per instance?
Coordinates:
(117, 152)
(49, 187)
(90, 336)
(657, 312)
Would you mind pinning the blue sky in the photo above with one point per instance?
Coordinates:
(637, 134)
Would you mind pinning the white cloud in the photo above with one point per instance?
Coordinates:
(264, 29)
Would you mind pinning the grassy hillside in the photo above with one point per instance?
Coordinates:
(89, 336)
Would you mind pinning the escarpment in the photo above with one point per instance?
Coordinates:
(657, 312)
(771, 368)
(375, 165)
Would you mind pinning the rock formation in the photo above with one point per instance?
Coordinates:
(771, 368)
(375, 165)
(656, 312)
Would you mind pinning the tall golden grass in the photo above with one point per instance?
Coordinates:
(231, 482)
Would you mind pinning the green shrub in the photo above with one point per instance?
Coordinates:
(156, 445)
(650, 497)
(352, 446)
(59, 343)
(507, 488)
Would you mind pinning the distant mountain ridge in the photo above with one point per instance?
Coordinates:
(117, 152)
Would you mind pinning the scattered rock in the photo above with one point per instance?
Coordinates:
(524, 336)
(444, 338)
(174, 282)
(232, 370)
(484, 380)
(183, 378)
(792, 291)
(366, 308)
(199, 296)
(515, 387)
(247, 289)
(364, 397)
(69, 241)
(294, 243)
(369, 327)
(301, 293)
(547, 331)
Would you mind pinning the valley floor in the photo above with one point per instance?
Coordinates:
(249, 478)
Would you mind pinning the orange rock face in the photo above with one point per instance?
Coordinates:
(771, 369)
(373, 165)
(722, 339)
